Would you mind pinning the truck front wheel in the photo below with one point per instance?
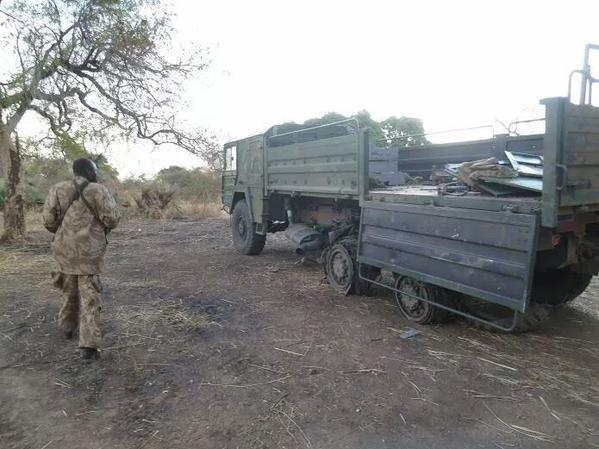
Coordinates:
(245, 239)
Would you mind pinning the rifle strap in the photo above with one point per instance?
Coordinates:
(75, 198)
(79, 195)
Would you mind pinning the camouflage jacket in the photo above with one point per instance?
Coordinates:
(79, 241)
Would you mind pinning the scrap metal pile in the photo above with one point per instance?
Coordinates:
(520, 174)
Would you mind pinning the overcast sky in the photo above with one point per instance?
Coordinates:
(451, 63)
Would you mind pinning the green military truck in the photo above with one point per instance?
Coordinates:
(505, 259)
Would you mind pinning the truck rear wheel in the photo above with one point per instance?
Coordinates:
(535, 315)
(245, 239)
(341, 268)
(418, 311)
(550, 290)
(558, 286)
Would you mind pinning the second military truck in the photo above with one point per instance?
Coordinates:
(523, 246)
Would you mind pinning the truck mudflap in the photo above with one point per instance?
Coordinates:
(484, 254)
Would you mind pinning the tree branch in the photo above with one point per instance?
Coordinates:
(103, 61)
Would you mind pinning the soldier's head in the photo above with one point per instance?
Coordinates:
(85, 168)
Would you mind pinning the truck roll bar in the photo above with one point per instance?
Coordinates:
(587, 80)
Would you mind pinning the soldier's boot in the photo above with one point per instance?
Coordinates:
(89, 353)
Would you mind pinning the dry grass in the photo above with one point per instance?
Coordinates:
(146, 318)
(194, 208)
(33, 219)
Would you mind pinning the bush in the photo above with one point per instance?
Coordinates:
(43, 172)
(196, 183)
(196, 192)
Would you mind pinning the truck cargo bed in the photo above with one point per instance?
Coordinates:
(429, 195)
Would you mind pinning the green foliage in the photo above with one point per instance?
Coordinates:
(42, 172)
(404, 131)
(401, 131)
(189, 184)
(97, 70)
(71, 147)
(329, 117)
(366, 121)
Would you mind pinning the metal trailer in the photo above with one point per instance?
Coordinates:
(525, 255)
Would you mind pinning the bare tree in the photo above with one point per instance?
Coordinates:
(102, 66)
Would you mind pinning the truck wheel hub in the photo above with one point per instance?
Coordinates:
(241, 228)
(408, 302)
(340, 268)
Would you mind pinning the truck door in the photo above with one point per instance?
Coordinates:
(250, 170)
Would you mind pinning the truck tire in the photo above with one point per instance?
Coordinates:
(559, 286)
(551, 289)
(421, 312)
(535, 315)
(245, 239)
(341, 268)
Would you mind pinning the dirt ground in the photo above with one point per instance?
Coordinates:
(205, 348)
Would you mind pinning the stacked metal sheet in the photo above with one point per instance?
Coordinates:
(521, 174)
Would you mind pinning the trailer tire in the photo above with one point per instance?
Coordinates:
(245, 239)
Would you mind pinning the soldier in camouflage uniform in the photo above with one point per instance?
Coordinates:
(80, 213)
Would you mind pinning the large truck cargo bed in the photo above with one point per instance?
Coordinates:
(570, 181)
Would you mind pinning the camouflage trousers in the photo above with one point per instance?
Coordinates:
(80, 306)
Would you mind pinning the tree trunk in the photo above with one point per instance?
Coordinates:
(14, 206)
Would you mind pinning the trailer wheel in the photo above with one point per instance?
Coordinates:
(245, 239)
(413, 309)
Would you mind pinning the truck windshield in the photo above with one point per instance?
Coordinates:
(231, 158)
